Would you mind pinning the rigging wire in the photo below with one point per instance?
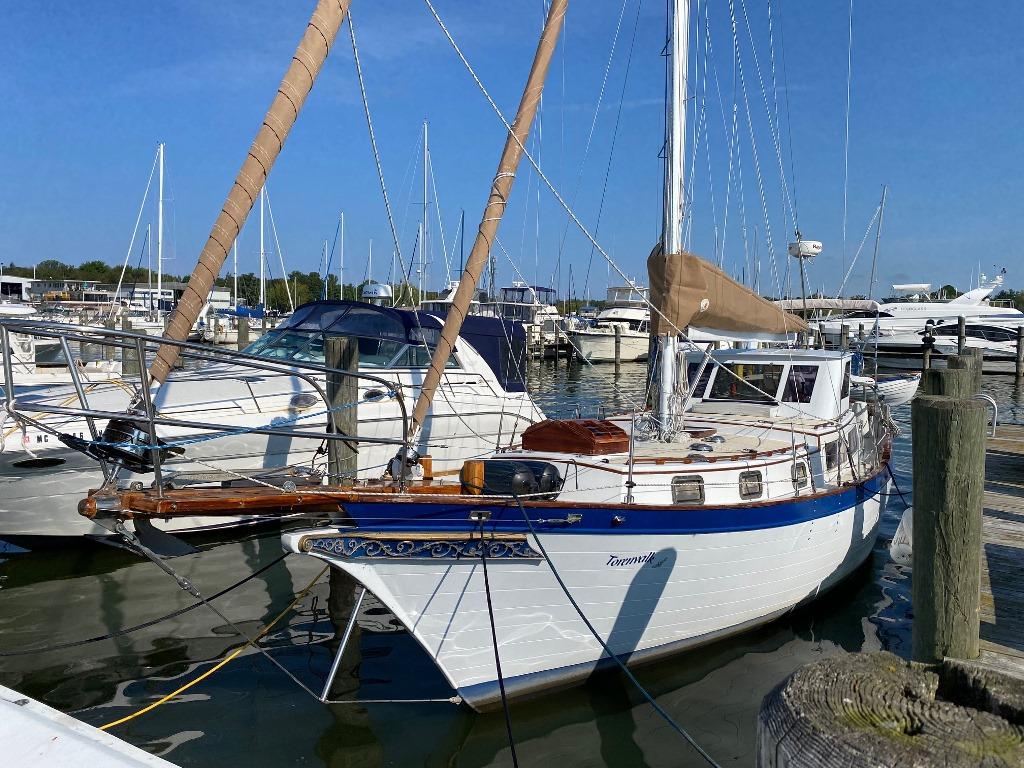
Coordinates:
(277, 246)
(611, 150)
(846, 141)
(565, 206)
(593, 121)
(249, 642)
(376, 152)
(497, 656)
(145, 624)
(135, 230)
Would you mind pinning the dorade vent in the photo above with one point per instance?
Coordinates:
(590, 437)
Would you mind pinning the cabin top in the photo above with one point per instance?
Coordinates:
(772, 382)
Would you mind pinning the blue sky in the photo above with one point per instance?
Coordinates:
(936, 104)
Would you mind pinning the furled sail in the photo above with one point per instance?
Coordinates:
(691, 291)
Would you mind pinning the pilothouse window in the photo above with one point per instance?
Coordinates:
(749, 383)
(800, 384)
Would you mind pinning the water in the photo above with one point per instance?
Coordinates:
(248, 711)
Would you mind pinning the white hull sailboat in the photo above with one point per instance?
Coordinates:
(753, 485)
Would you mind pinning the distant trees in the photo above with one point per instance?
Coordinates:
(1016, 298)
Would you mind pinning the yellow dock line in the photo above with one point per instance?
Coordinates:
(222, 662)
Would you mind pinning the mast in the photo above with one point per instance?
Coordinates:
(878, 236)
(281, 116)
(501, 187)
(426, 215)
(326, 274)
(234, 269)
(462, 240)
(149, 266)
(341, 259)
(263, 277)
(160, 230)
(675, 185)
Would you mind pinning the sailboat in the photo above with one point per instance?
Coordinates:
(754, 484)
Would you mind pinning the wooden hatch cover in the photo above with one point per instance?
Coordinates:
(590, 437)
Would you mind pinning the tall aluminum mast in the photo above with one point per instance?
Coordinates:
(263, 256)
(160, 232)
(675, 185)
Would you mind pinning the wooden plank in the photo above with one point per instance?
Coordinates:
(1002, 562)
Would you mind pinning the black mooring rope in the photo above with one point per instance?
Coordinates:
(144, 625)
(632, 678)
(497, 656)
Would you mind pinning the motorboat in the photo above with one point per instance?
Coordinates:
(897, 318)
(625, 320)
(482, 405)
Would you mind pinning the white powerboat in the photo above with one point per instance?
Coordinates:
(482, 405)
(897, 318)
(627, 315)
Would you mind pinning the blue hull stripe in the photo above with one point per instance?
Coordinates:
(635, 519)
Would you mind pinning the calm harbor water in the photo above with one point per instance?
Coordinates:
(250, 713)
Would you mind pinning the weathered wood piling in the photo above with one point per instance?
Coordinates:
(949, 482)
(874, 709)
(342, 353)
(943, 708)
(129, 355)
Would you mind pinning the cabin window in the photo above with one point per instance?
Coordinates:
(751, 485)
(846, 381)
(800, 475)
(831, 454)
(800, 384)
(688, 489)
(750, 383)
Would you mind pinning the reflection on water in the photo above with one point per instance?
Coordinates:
(249, 710)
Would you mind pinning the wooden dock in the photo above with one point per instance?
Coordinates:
(1002, 561)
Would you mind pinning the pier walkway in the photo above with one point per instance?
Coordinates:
(1002, 562)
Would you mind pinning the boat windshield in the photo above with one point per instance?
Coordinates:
(745, 382)
(308, 346)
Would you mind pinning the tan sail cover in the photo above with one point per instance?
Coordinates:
(691, 291)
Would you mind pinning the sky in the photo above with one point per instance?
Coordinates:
(936, 104)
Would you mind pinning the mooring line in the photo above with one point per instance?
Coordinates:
(145, 624)
(497, 655)
(249, 642)
(632, 678)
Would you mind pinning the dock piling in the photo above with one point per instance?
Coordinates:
(243, 332)
(1019, 367)
(342, 353)
(961, 334)
(969, 360)
(618, 347)
(129, 357)
(949, 482)
(844, 337)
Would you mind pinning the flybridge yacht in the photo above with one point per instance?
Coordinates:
(534, 307)
(902, 317)
(481, 405)
(627, 312)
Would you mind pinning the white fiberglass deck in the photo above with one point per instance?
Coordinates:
(34, 734)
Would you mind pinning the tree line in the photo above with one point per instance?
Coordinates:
(305, 286)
